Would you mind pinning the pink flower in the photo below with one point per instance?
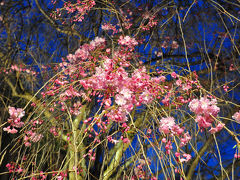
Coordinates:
(174, 75)
(236, 116)
(232, 68)
(164, 140)
(118, 115)
(36, 137)
(205, 103)
(82, 53)
(177, 154)
(126, 140)
(206, 110)
(178, 82)
(9, 130)
(108, 102)
(15, 119)
(19, 170)
(220, 126)
(202, 121)
(204, 106)
(97, 42)
(166, 124)
(186, 87)
(186, 138)
(162, 78)
(126, 93)
(237, 156)
(168, 147)
(187, 156)
(120, 100)
(194, 106)
(225, 88)
(33, 136)
(177, 130)
(127, 41)
(217, 128)
(149, 131)
(146, 97)
(27, 144)
(108, 27)
(16, 113)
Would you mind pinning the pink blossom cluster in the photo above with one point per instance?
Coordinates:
(84, 51)
(225, 88)
(186, 157)
(168, 127)
(91, 154)
(31, 137)
(77, 66)
(185, 139)
(110, 139)
(75, 110)
(151, 22)
(15, 119)
(128, 89)
(206, 111)
(20, 69)
(125, 140)
(168, 146)
(54, 131)
(109, 79)
(108, 27)
(12, 167)
(236, 116)
(139, 170)
(98, 42)
(69, 93)
(237, 155)
(127, 18)
(127, 41)
(180, 85)
(79, 9)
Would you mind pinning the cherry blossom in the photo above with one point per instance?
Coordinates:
(9, 130)
(236, 116)
(127, 41)
(204, 106)
(186, 138)
(187, 158)
(80, 9)
(15, 119)
(206, 110)
(217, 128)
(166, 124)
